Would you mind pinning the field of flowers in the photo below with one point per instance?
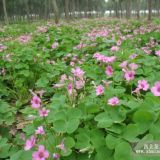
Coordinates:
(87, 90)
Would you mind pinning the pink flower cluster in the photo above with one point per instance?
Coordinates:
(78, 81)
(24, 39)
(98, 33)
(78, 72)
(142, 85)
(105, 59)
(113, 101)
(158, 53)
(115, 49)
(36, 104)
(41, 154)
(109, 71)
(156, 89)
(99, 90)
(129, 70)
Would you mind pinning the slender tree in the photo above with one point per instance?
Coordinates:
(46, 9)
(128, 9)
(67, 9)
(27, 9)
(56, 11)
(138, 8)
(149, 9)
(5, 12)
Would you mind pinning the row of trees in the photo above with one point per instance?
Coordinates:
(129, 8)
(22, 10)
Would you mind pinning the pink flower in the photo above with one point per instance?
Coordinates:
(24, 39)
(156, 89)
(78, 72)
(129, 75)
(36, 102)
(70, 88)
(80, 84)
(109, 71)
(41, 154)
(55, 45)
(132, 56)
(61, 147)
(146, 50)
(113, 101)
(63, 78)
(133, 66)
(111, 59)
(40, 130)
(123, 64)
(72, 64)
(56, 156)
(137, 91)
(43, 112)
(143, 84)
(158, 53)
(99, 90)
(119, 42)
(115, 48)
(30, 143)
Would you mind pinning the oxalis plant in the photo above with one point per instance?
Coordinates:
(84, 91)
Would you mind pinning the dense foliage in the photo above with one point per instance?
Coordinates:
(78, 91)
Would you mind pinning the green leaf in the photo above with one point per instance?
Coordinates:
(131, 132)
(111, 141)
(143, 119)
(122, 151)
(22, 155)
(68, 126)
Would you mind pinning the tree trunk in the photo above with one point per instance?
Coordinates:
(86, 9)
(128, 9)
(149, 9)
(121, 10)
(5, 12)
(116, 9)
(46, 9)
(27, 9)
(66, 10)
(158, 8)
(138, 9)
(77, 8)
(56, 11)
(73, 8)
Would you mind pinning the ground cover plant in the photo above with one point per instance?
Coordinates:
(84, 90)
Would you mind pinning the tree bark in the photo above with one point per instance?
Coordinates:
(149, 9)
(73, 8)
(27, 9)
(77, 8)
(138, 9)
(46, 9)
(5, 12)
(86, 9)
(56, 11)
(158, 8)
(128, 9)
(67, 10)
(116, 9)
